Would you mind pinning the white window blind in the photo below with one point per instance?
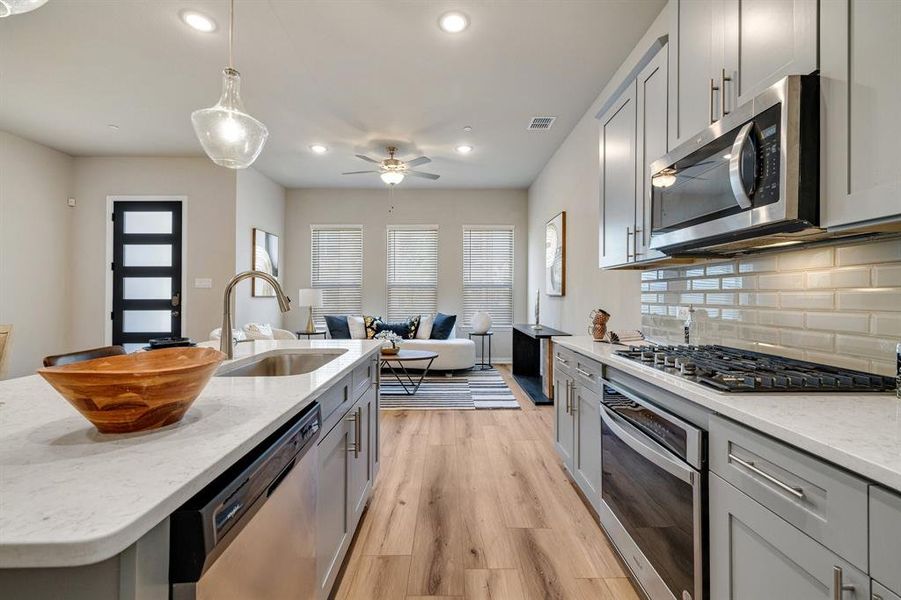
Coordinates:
(337, 269)
(412, 271)
(488, 274)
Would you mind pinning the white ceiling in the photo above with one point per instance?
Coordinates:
(351, 74)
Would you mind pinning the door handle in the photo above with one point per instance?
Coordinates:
(355, 447)
(723, 80)
(176, 299)
(713, 88)
(749, 465)
(738, 186)
(839, 587)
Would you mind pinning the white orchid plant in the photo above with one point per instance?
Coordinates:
(390, 336)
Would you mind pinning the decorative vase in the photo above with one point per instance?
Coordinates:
(481, 322)
(598, 326)
(390, 350)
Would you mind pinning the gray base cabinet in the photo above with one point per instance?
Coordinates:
(347, 466)
(755, 554)
(577, 420)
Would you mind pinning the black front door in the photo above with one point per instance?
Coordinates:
(147, 299)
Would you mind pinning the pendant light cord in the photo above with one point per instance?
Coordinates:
(231, 34)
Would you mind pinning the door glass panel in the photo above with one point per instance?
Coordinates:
(148, 222)
(147, 288)
(151, 321)
(655, 507)
(147, 255)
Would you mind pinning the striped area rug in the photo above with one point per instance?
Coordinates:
(467, 390)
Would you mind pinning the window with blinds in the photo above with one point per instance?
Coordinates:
(337, 269)
(488, 274)
(412, 271)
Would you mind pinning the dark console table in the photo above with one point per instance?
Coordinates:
(527, 350)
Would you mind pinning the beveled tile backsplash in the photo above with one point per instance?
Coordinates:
(837, 305)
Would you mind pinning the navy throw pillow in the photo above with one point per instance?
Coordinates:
(337, 327)
(443, 326)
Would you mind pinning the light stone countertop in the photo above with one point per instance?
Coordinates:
(860, 432)
(70, 495)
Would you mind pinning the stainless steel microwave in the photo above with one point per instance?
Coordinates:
(749, 180)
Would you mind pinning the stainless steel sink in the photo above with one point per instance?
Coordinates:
(281, 364)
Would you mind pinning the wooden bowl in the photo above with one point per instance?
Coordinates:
(135, 392)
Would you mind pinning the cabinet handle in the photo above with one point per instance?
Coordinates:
(628, 235)
(355, 447)
(723, 80)
(568, 398)
(713, 88)
(877, 596)
(584, 373)
(562, 360)
(838, 586)
(635, 251)
(794, 491)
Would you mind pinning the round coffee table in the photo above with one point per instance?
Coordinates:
(401, 359)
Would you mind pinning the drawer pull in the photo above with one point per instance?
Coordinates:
(584, 373)
(563, 360)
(355, 419)
(838, 585)
(877, 596)
(794, 491)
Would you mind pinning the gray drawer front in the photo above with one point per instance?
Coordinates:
(880, 592)
(588, 373)
(823, 501)
(885, 537)
(335, 402)
(364, 376)
(565, 359)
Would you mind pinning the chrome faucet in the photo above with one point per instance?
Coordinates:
(226, 339)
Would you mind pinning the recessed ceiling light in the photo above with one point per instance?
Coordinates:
(198, 21)
(318, 148)
(464, 148)
(467, 128)
(453, 22)
(113, 126)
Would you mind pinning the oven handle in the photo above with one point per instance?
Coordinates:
(645, 446)
(738, 188)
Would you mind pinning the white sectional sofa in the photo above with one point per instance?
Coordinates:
(454, 354)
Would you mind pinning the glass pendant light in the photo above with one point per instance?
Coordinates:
(230, 137)
(17, 7)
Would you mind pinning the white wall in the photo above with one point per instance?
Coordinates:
(570, 181)
(260, 203)
(376, 209)
(35, 182)
(209, 235)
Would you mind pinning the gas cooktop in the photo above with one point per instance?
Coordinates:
(734, 370)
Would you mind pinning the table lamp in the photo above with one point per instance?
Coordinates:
(313, 299)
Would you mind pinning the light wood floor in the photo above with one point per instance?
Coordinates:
(475, 505)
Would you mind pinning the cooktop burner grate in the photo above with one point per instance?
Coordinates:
(733, 370)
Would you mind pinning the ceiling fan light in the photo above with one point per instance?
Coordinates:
(230, 137)
(17, 7)
(392, 177)
(464, 149)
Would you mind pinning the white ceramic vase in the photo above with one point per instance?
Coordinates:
(481, 322)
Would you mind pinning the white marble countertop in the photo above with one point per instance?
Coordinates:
(860, 432)
(70, 495)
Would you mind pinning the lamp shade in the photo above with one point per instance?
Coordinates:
(309, 297)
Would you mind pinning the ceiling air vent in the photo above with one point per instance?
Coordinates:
(541, 123)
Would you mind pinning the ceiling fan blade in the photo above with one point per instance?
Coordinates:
(367, 159)
(422, 160)
(423, 175)
(358, 172)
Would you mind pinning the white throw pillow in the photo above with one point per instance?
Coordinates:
(357, 328)
(237, 334)
(257, 331)
(425, 327)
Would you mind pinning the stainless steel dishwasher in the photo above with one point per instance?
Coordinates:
(251, 532)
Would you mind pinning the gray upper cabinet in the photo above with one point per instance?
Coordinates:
(617, 161)
(724, 52)
(763, 41)
(861, 94)
(755, 554)
(651, 99)
(692, 68)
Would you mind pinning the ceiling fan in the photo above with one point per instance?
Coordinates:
(392, 170)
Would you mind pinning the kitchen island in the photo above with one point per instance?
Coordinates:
(78, 504)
